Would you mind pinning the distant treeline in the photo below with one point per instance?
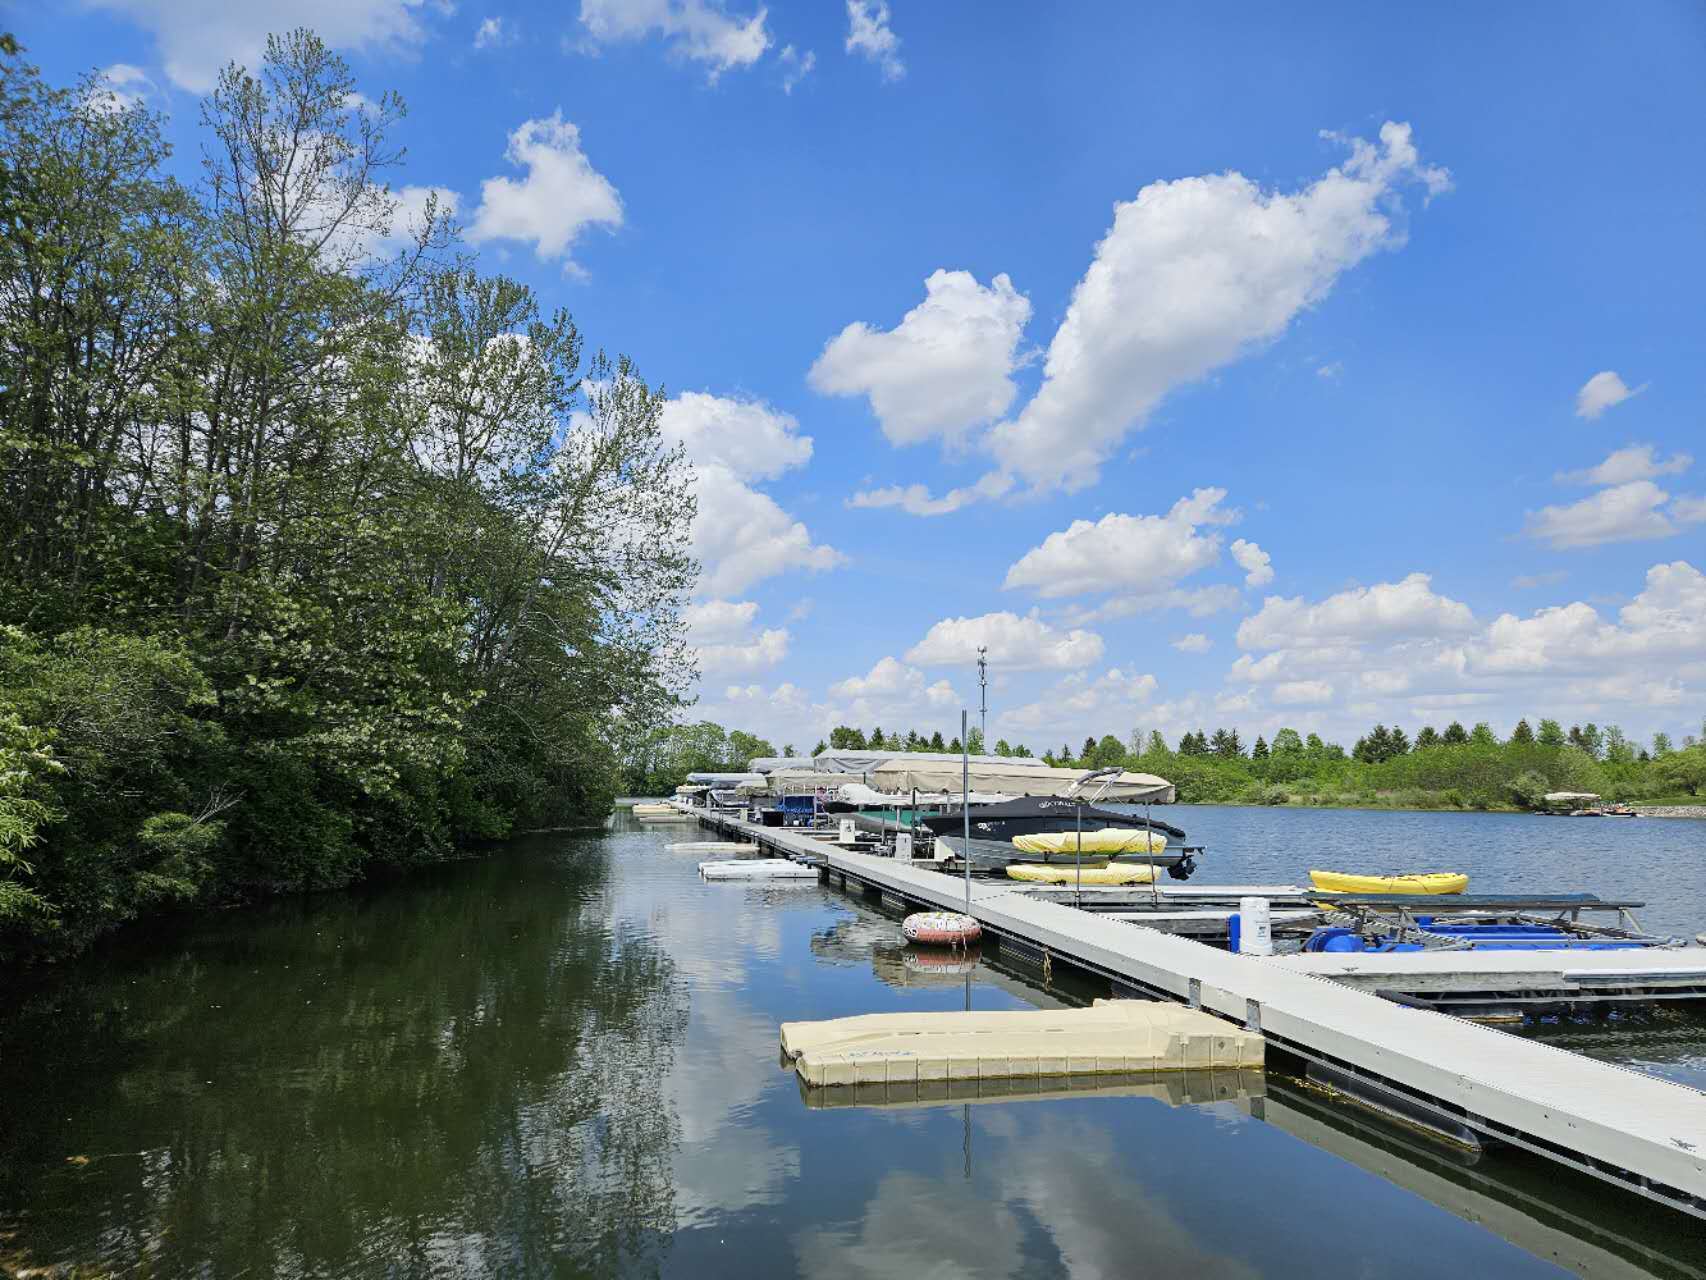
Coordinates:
(1454, 768)
(320, 552)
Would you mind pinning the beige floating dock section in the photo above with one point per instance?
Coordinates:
(711, 846)
(757, 869)
(1112, 1037)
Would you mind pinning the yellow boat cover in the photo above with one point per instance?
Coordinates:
(1109, 840)
(1430, 882)
(1067, 873)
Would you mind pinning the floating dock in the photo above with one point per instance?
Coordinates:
(1112, 1037)
(1636, 1131)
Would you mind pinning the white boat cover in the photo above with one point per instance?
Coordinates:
(725, 779)
(770, 764)
(1015, 778)
(868, 761)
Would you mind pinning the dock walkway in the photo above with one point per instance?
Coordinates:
(1637, 1131)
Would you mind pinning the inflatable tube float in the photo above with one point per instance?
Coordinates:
(941, 929)
(1430, 882)
(1109, 840)
(1066, 873)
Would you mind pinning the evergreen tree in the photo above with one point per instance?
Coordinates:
(1522, 734)
(1593, 742)
(1157, 744)
(1064, 755)
(876, 741)
(975, 741)
(1428, 737)
(954, 746)
(1618, 749)
(1550, 734)
(1002, 748)
(1661, 745)
(1022, 752)
(1455, 734)
(821, 747)
(1482, 735)
(1089, 750)
(1260, 750)
(936, 743)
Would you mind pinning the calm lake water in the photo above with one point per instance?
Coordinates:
(561, 1060)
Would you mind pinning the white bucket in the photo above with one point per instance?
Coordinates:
(849, 831)
(1255, 927)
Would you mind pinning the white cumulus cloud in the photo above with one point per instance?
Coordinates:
(1637, 462)
(870, 36)
(1015, 643)
(1257, 564)
(1195, 642)
(1386, 611)
(742, 535)
(915, 499)
(697, 30)
(889, 676)
(560, 196)
(1302, 693)
(1139, 555)
(1193, 273)
(198, 37)
(725, 638)
(1601, 392)
(1633, 512)
(945, 368)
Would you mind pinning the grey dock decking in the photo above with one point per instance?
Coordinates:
(1642, 1133)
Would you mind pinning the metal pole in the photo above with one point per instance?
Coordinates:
(1078, 857)
(1149, 837)
(965, 800)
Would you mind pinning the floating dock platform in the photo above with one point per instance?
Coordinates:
(1633, 1130)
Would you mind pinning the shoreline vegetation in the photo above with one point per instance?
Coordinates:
(322, 554)
(1458, 768)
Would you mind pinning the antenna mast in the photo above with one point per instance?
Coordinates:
(983, 696)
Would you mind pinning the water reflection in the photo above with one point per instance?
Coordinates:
(462, 1073)
(563, 1061)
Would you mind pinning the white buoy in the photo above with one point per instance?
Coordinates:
(1255, 927)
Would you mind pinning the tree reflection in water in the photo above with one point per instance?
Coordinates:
(465, 1071)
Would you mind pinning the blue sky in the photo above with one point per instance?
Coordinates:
(1211, 365)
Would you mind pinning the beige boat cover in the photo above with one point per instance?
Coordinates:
(1017, 780)
(1109, 840)
(1068, 874)
(1111, 1037)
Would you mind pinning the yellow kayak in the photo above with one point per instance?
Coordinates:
(1064, 873)
(1101, 843)
(1431, 882)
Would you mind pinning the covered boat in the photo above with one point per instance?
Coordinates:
(995, 827)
